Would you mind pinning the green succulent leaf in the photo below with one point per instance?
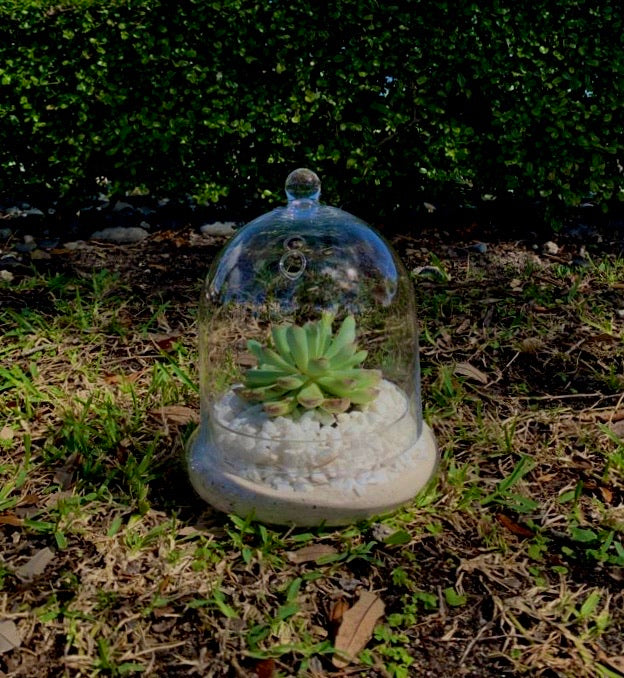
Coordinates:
(280, 408)
(311, 396)
(344, 336)
(269, 358)
(308, 368)
(259, 377)
(280, 340)
(298, 344)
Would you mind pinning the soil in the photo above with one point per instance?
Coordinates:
(534, 371)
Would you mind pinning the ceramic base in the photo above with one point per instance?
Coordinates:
(324, 505)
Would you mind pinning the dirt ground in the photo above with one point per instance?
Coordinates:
(521, 345)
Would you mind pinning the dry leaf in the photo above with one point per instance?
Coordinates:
(336, 613)
(165, 342)
(7, 433)
(264, 668)
(29, 500)
(357, 628)
(36, 565)
(338, 610)
(603, 337)
(111, 379)
(470, 372)
(513, 526)
(531, 345)
(176, 415)
(9, 636)
(10, 519)
(311, 553)
(607, 495)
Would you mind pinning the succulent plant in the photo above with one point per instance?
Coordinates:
(309, 367)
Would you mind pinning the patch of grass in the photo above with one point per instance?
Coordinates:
(510, 563)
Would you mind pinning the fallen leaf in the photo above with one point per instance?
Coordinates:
(356, 628)
(607, 495)
(264, 668)
(338, 610)
(29, 500)
(36, 565)
(531, 344)
(9, 636)
(177, 415)
(603, 337)
(513, 526)
(470, 372)
(336, 613)
(165, 342)
(11, 519)
(7, 433)
(311, 553)
(111, 378)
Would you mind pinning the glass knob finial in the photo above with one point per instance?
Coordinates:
(303, 184)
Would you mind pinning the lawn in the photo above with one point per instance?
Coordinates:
(510, 564)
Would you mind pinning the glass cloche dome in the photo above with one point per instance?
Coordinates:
(309, 371)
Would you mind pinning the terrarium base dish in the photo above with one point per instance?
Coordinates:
(327, 503)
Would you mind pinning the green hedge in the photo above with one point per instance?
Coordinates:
(386, 101)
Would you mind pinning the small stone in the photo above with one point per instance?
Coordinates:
(10, 261)
(6, 276)
(381, 532)
(579, 262)
(23, 247)
(74, 245)
(33, 212)
(145, 225)
(29, 239)
(48, 243)
(550, 247)
(478, 247)
(219, 228)
(5, 233)
(121, 235)
(120, 205)
(620, 313)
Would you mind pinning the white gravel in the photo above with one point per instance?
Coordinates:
(348, 451)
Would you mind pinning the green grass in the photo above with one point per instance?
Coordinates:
(510, 563)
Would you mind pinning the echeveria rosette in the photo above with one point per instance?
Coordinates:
(309, 367)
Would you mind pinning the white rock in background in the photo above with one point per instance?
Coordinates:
(218, 228)
(121, 205)
(551, 247)
(74, 245)
(121, 235)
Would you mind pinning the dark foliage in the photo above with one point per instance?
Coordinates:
(391, 104)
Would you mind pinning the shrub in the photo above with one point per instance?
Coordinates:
(391, 102)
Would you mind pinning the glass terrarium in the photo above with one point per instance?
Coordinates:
(309, 370)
